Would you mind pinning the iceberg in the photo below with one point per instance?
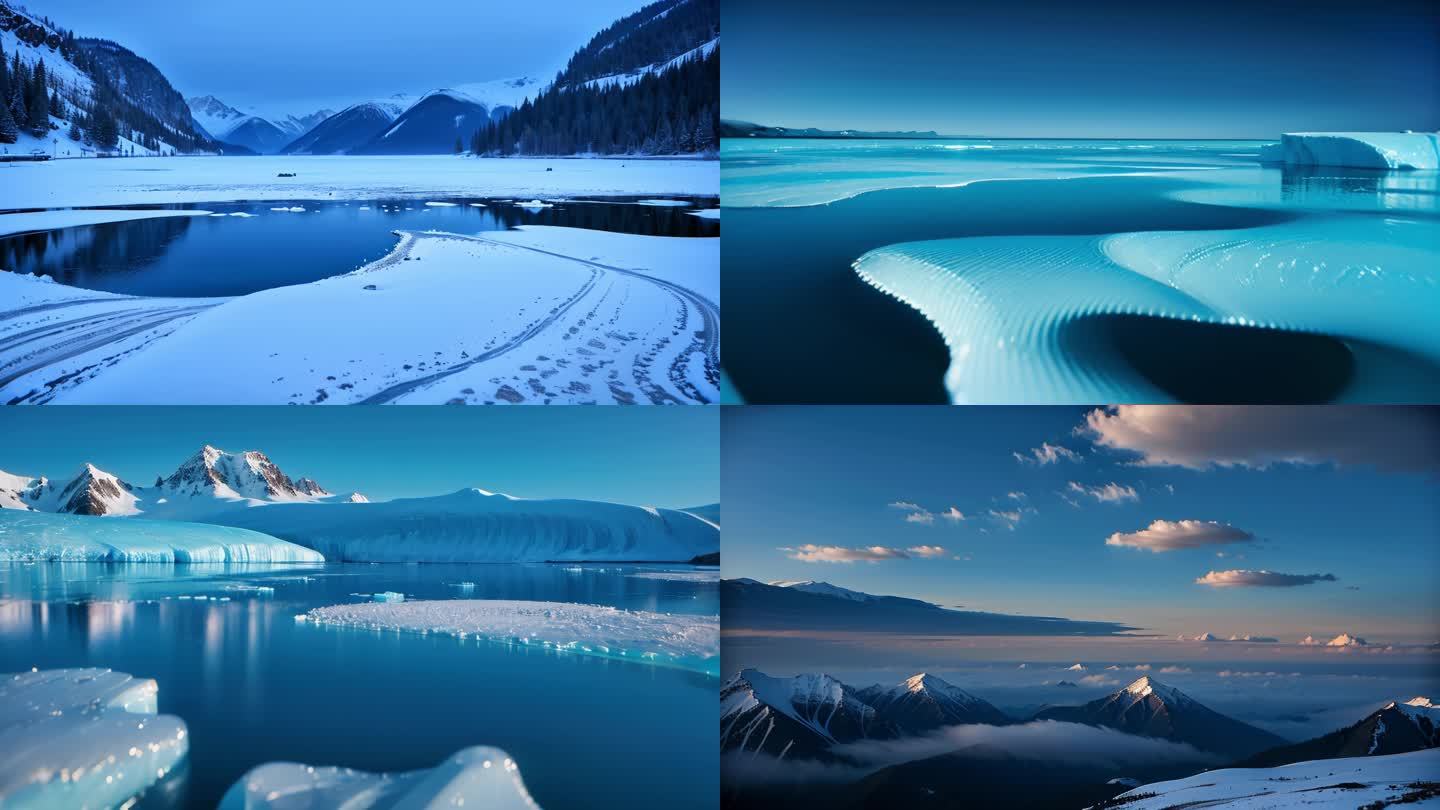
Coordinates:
(665, 639)
(1362, 150)
(482, 777)
(45, 537)
(83, 738)
(477, 526)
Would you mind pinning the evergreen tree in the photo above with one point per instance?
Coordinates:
(75, 134)
(38, 104)
(103, 129)
(459, 145)
(19, 78)
(9, 133)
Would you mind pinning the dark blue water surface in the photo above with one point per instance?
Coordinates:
(254, 686)
(202, 256)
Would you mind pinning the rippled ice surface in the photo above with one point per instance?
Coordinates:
(1083, 271)
(255, 686)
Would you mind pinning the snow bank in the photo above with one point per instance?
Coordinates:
(675, 640)
(478, 526)
(479, 777)
(1363, 150)
(38, 536)
(1346, 782)
(82, 738)
(67, 183)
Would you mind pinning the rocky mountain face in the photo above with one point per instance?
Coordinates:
(794, 717)
(1397, 728)
(926, 702)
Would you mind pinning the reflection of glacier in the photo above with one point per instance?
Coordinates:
(1318, 309)
(481, 777)
(82, 738)
(1365, 150)
(675, 640)
(477, 526)
(38, 536)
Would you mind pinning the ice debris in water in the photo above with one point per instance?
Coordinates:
(534, 204)
(465, 587)
(676, 640)
(389, 596)
(480, 777)
(680, 576)
(82, 738)
(666, 203)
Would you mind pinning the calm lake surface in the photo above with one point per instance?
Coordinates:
(254, 685)
(200, 256)
(800, 212)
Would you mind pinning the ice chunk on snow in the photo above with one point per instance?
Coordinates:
(39, 536)
(481, 777)
(1364, 150)
(677, 640)
(82, 738)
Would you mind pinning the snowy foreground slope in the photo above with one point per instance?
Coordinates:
(38, 536)
(539, 315)
(664, 639)
(480, 777)
(64, 183)
(82, 738)
(1363, 150)
(1348, 783)
(477, 526)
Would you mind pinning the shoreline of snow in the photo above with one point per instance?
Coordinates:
(33, 221)
(213, 179)
(676, 640)
(537, 315)
(49, 537)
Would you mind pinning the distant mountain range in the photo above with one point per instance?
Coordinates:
(261, 135)
(745, 129)
(806, 605)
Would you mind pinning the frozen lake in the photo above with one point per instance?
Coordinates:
(246, 247)
(254, 685)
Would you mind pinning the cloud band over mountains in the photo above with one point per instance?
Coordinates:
(1171, 535)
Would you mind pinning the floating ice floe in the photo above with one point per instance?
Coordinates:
(464, 587)
(675, 640)
(680, 576)
(480, 777)
(534, 205)
(441, 204)
(45, 537)
(666, 203)
(82, 738)
(242, 214)
(389, 596)
(296, 209)
(1364, 150)
(708, 213)
(477, 205)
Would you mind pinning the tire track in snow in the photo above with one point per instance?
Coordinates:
(89, 333)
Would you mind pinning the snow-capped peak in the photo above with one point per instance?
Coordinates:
(238, 476)
(822, 588)
(1146, 686)
(1421, 702)
(95, 492)
(356, 497)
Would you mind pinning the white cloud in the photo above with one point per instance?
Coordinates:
(1170, 535)
(1010, 518)
(926, 551)
(1047, 453)
(1199, 437)
(1142, 667)
(1241, 578)
(1076, 668)
(1109, 493)
(1211, 638)
(1173, 670)
(1015, 496)
(953, 514)
(1099, 680)
(920, 517)
(906, 506)
(840, 554)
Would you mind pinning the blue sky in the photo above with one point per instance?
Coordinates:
(650, 456)
(295, 56)
(1059, 69)
(831, 477)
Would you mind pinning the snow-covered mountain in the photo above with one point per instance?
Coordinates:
(1152, 709)
(255, 132)
(1398, 780)
(1396, 728)
(824, 589)
(925, 702)
(799, 717)
(348, 129)
(440, 119)
(211, 480)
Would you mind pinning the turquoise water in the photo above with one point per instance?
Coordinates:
(1042, 271)
(253, 685)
